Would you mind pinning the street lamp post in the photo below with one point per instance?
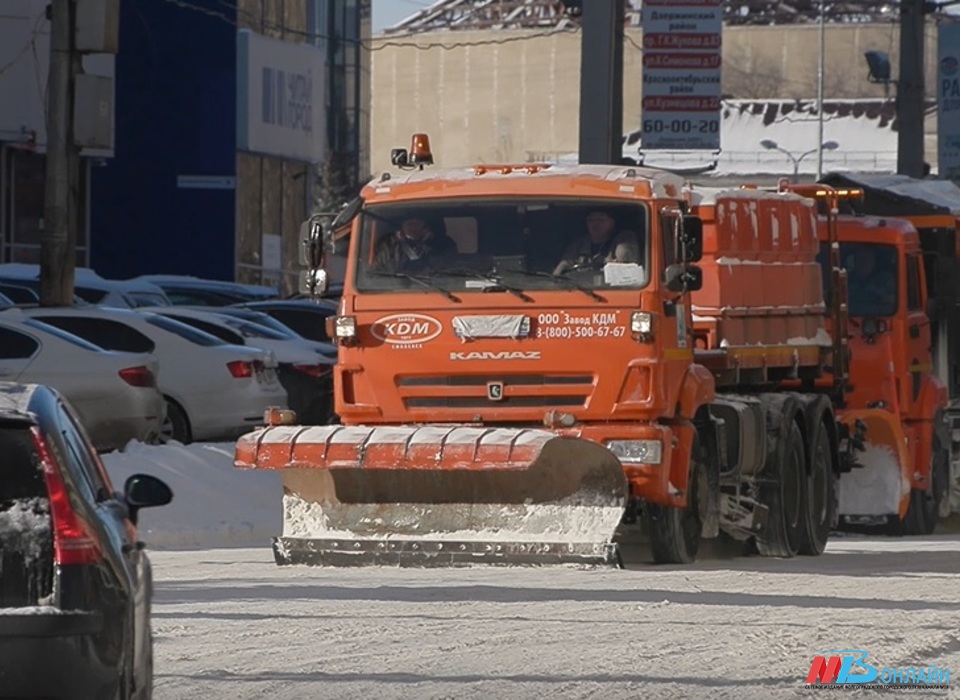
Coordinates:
(796, 160)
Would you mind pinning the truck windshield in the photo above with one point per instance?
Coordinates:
(510, 245)
(872, 276)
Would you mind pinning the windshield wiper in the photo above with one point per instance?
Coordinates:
(419, 280)
(490, 277)
(569, 282)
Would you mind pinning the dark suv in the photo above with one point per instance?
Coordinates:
(75, 583)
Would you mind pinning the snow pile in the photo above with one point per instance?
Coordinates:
(25, 527)
(568, 520)
(876, 487)
(214, 504)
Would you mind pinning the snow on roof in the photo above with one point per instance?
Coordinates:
(15, 398)
(862, 130)
(658, 178)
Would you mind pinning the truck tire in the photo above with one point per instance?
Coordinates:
(783, 491)
(928, 502)
(821, 494)
(675, 532)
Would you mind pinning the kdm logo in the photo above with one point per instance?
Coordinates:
(406, 329)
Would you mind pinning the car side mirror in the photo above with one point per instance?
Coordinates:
(683, 278)
(145, 491)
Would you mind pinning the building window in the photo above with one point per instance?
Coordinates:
(22, 181)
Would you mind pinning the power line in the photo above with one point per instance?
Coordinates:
(370, 45)
(481, 42)
(27, 46)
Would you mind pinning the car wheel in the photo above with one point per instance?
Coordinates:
(176, 426)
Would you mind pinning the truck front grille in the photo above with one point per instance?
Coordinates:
(518, 390)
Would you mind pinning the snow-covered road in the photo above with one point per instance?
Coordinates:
(229, 623)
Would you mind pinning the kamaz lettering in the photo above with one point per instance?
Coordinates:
(504, 355)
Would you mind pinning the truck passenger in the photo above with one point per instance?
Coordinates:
(415, 241)
(603, 242)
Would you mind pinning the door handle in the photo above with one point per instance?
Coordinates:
(915, 331)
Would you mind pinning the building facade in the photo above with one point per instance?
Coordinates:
(227, 119)
(504, 94)
(24, 63)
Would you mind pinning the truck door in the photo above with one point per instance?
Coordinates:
(919, 359)
(676, 339)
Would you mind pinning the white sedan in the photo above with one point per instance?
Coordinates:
(114, 393)
(213, 390)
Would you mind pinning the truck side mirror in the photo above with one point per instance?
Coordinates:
(313, 246)
(683, 278)
(691, 238)
(314, 238)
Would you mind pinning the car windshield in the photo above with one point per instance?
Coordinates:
(872, 275)
(149, 299)
(261, 319)
(454, 247)
(186, 332)
(254, 330)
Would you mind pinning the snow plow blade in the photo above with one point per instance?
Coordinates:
(440, 496)
(879, 485)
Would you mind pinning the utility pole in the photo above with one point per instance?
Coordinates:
(820, 67)
(57, 261)
(601, 81)
(910, 90)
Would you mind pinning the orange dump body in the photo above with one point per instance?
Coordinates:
(762, 302)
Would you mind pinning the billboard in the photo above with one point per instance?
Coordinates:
(281, 98)
(948, 100)
(682, 41)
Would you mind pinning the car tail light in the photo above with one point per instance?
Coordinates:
(73, 542)
(138, 376)
(240, 368)
(315, 371)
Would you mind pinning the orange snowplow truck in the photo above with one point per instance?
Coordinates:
(892, 386)
(540, 364)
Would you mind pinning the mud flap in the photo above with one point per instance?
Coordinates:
(878, 486)
(441, 496)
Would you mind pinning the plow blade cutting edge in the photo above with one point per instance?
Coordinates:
(440, 496)
(880, 484)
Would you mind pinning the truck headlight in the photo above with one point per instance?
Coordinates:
(345, 327)
(641, 322)
(637, 451)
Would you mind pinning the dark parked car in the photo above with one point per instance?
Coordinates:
(75, 583)
(304, 317)
(194, 291)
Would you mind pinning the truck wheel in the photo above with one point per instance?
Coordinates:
(820, 501)
(784, 493)
(675, 532)
(939, 488)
